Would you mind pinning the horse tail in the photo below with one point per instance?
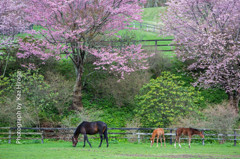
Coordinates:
(105, 132)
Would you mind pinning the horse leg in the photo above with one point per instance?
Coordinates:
(106, 140)
(157, 140)
(85, 136)
(189, 141)
(106, 137)
(161, 140)
(101, 140)
(164, 141)
(176, 140)
(84, 140)
(179, 142)
(152, 141)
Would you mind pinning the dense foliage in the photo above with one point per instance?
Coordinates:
(165, 98)
(41, 101)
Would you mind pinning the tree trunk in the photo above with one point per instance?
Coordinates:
(78, 61)
(77, 93)
(234, 101)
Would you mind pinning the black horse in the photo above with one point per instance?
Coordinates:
(90, 128)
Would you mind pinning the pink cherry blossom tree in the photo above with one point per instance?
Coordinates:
(11, 23)
(208, 32)
(71, 27)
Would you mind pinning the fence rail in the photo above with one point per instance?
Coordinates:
(146, 27)
(155, 45)
(9, 133)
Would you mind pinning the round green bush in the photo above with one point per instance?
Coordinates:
(164, 99)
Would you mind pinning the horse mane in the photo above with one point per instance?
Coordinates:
(77, 131)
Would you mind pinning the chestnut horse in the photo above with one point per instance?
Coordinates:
(90, 128)
(187, 131)
(158, 132)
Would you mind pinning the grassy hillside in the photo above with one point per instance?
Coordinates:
(141, 34)
(152, 15)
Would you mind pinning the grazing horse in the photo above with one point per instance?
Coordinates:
(187, 131)
(158, 132)
(90, 128)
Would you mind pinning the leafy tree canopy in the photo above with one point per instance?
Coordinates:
(165, 98)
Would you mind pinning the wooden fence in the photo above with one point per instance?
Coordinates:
(155, 45)
(146, 27)
(136, 134)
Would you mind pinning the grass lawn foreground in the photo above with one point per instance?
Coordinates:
(64, 150)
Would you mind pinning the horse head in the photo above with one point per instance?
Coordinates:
(74, 141)
(201, 134)
(197, 132)
(152, 139)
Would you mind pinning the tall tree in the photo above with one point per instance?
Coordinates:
(72, 26)
(207, 32)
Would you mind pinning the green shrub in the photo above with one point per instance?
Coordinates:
(164, 99)
(43, 100)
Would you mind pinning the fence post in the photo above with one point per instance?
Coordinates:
(203, 138)
(111, 43)
(42, 137)
(235, 138)
(9, 136)
(139, 137)
(171, 137)
(155, 46)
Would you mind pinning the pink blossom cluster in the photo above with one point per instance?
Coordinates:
(30, 66)
(68, 20)
(207, 32)
(11, 20)
(126, 60)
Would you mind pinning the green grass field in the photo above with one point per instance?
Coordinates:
(152, 15)
(64, 150)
